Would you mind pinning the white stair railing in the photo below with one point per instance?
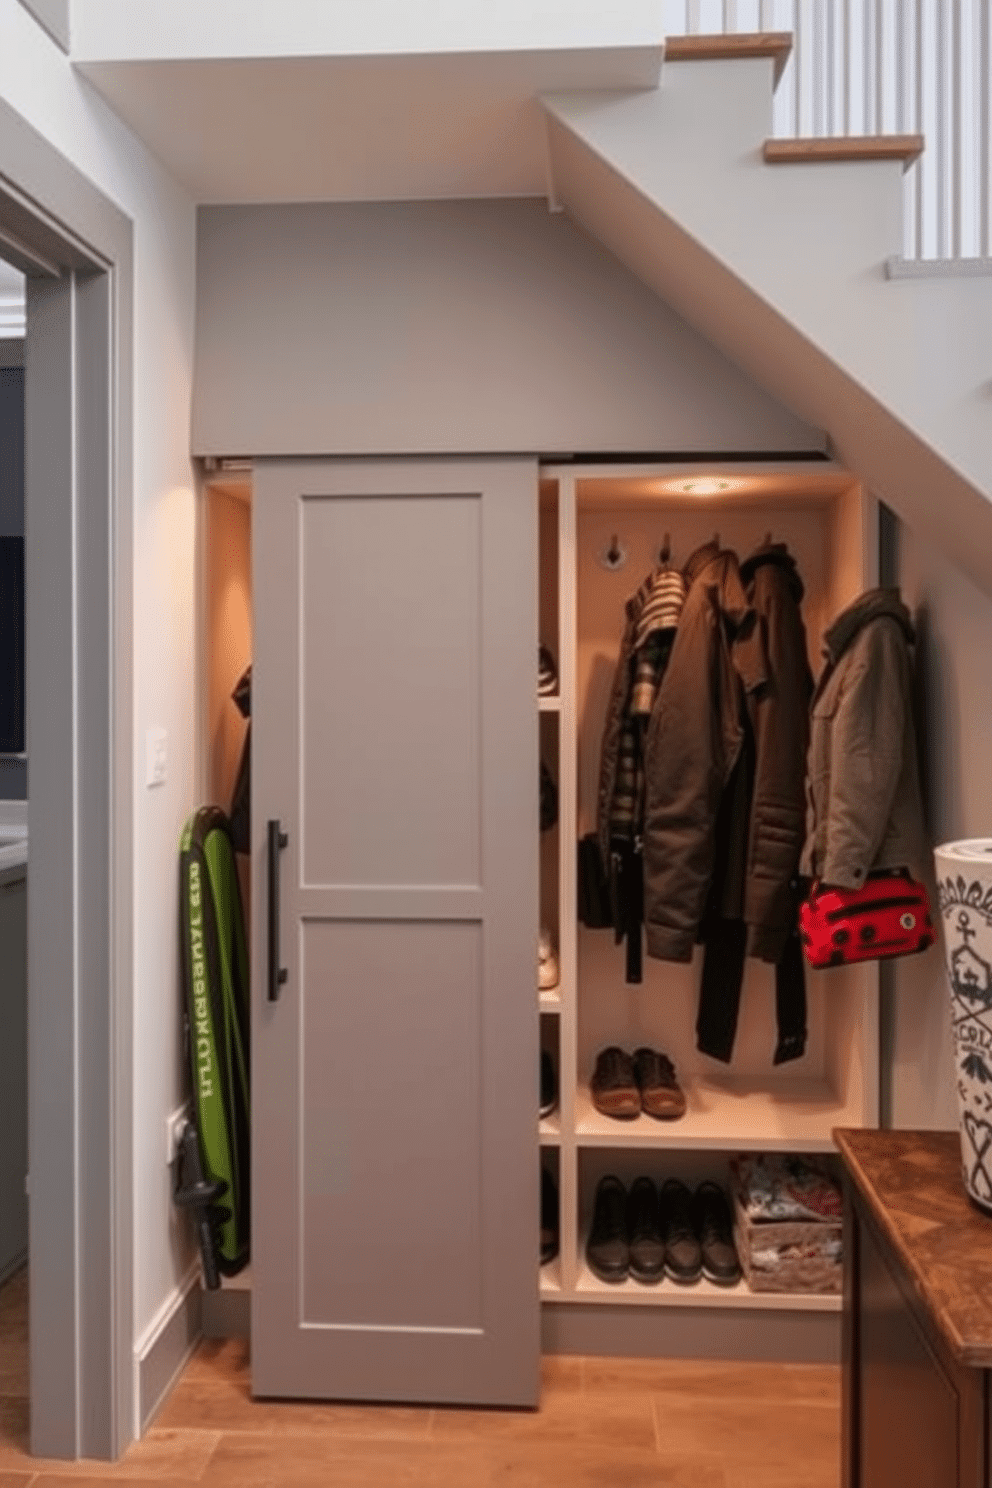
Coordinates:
(886, 67)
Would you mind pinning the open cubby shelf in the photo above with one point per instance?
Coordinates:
(828, 521)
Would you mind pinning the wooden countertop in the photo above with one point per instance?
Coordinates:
(911, 1185)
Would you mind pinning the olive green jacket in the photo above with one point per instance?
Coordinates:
(864, 807)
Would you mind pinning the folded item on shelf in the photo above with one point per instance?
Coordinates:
(787, 1224)
(785, 1187)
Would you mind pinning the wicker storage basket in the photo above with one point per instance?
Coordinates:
(787, 1224)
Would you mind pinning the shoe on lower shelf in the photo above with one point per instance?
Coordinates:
(549, 1217)
(614, 1085)
(608, 1248)
(647, 1243)
(547, 673)
(549, 1089)
(683, 1253)
(547, 962)
(714, 1226)
(661, 1094)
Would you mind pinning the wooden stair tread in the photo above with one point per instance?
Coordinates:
(904, 147)
(729, 48)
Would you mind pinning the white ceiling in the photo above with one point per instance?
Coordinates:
(358, 128)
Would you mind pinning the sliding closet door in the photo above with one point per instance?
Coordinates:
(394, 1036)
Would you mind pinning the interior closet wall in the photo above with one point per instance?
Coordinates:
(662, 1011)
(954, 683)
(227, 562)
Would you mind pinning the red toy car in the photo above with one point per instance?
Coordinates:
(888, 916)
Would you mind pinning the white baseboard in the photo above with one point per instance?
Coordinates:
(165, 1346)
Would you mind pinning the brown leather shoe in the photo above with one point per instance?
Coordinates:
(660, 1092)
(614, 1085)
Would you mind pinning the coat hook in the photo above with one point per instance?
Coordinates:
(614, 556)
(666, 549)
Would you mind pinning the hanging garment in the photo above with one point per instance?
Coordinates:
(864, 806)
(778, 715)
(694, 742)
(593, 891)
(240, 814)
(720, 994)
(652, 616)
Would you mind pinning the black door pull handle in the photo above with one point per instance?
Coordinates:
(278, 839)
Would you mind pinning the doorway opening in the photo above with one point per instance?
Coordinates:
(14, 1375)
(74, 248)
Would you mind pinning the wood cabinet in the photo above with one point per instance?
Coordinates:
(917, 1315)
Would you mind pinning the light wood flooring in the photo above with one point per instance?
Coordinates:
(603, 1423)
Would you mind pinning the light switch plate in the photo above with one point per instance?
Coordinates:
(156, 756)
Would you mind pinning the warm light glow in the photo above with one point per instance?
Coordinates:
(705, 485)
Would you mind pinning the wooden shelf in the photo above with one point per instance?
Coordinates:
(701, 1293)
(549, 1129)
(550, 999)
(724, 1119)
(549, 704)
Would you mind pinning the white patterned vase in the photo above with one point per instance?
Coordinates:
(964, 886)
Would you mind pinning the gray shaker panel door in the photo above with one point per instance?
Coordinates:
(394, 735)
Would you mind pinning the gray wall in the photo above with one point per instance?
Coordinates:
(954, 685)
(450, 327)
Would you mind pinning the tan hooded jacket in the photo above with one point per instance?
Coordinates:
(864, 806)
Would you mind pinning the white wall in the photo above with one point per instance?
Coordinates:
(37, 80)
(954, 679)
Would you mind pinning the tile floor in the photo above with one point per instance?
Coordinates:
(603, 1423)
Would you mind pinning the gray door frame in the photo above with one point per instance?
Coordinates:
(75, 246)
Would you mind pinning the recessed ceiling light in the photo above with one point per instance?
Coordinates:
(705, 485)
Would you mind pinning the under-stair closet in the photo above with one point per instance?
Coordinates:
(599, 529)
(410, 554)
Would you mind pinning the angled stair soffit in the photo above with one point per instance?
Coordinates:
(785, 270)
(376, 127)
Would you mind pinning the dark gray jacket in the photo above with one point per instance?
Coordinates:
(694, 741)
(779, 715)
